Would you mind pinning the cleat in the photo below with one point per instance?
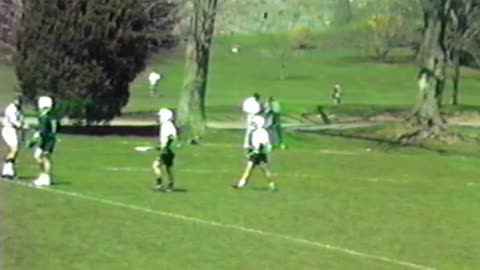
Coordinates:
(273, 187)
(42, 181)
(9, 177)
(169, 188)
(158, 188)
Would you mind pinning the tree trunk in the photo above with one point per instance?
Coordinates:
(342, 12)
(432, 58)
(191, 109)
(456, 77)
(382, 54)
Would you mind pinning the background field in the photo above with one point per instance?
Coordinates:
(368, 85)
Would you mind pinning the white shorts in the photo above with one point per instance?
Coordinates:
(10, 136)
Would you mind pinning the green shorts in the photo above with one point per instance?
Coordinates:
(258, 158)
(166, 158)
(48, 145)
(45, 147)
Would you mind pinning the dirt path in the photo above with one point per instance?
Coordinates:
(236, 125)
(289, 126)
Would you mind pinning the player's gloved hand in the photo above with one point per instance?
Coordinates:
(31, 143)
(250, 152)
(164, 150)
(35, 139)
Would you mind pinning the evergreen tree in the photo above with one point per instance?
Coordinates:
(84, 53)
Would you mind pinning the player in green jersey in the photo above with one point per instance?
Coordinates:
(44, 140)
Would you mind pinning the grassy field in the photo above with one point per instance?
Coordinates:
(343, 204)
(310, 78)
(368, 85)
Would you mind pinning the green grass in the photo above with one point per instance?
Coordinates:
(406, 204)
(369, 87)
(310, 77)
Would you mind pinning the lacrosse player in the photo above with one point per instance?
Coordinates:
(44, 140)
(259, 147)
(251, 106)
(163, 166)
(12, 134)
(153, 79)
(337, 93)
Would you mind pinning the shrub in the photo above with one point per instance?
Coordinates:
(83, 53)
(302, 38)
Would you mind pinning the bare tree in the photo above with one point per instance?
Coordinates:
(282, 49)
(432, 58)
(285, 49)
(191, 108)
(165, 16)
(463, 29)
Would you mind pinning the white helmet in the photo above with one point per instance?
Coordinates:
(165, 115)
(258, 121)
(251, 106)
(45, 102)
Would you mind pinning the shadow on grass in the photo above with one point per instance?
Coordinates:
(391, 145)
(140, 131)
(263, 189)
(180, 190)
(175, 190)
(62, 183)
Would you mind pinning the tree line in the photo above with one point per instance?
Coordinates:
(87, 52)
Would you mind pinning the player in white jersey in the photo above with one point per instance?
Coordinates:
(251, 106)
(154, 78)
(12, 132)
(259, 147)
(163, 166)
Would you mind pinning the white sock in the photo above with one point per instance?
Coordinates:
(241, 183)
(5, 169)
(42, 177)
(43, 180)
(12, 169)
(8, 169)
(48, 180)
